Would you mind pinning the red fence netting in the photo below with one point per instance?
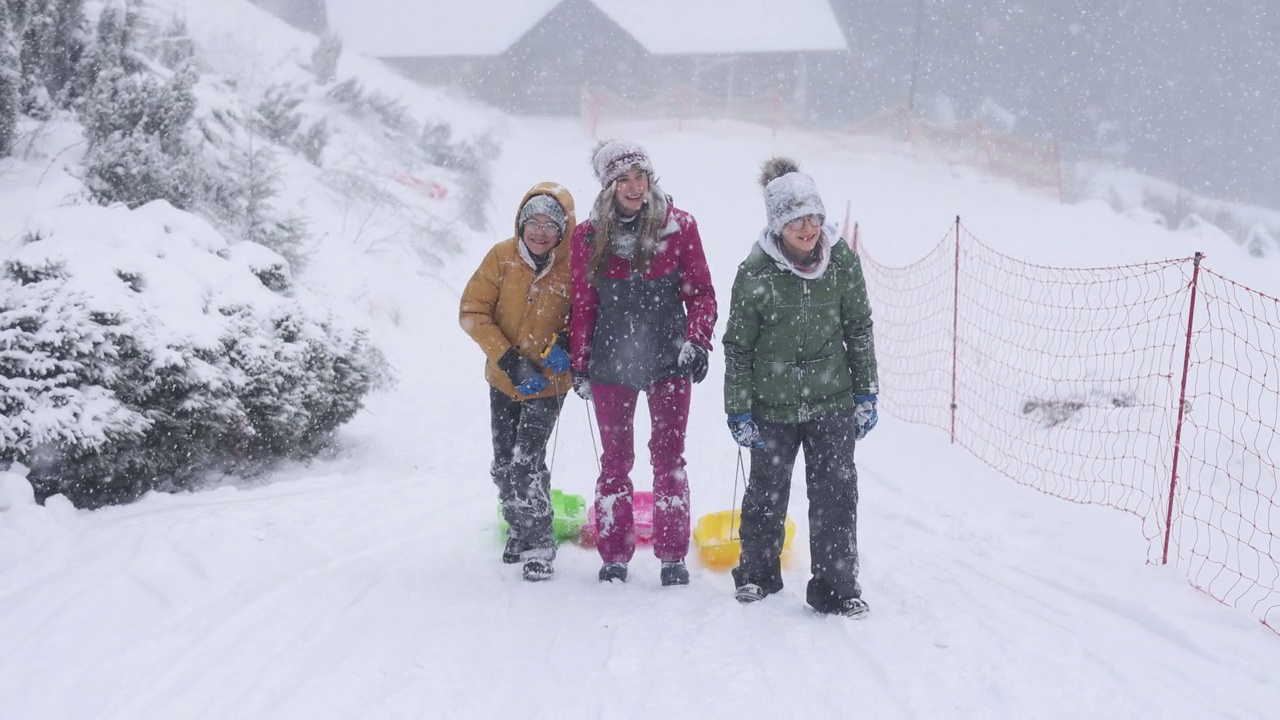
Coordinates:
(971, 143)
(974, 144)
(1095, 385)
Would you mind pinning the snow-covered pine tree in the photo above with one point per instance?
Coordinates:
(97, 396)
(103, 405)
(349, 92)
(253, 184)
(390, 111)
(137, 127)
(261, 176)
(471, 159)
(311, 142)
(324, 60)
(58, 360)
(302, 385)
(276, 115)
(138, 149)
(10, 82)
(174, 46)
(435, 141)
(60, 39)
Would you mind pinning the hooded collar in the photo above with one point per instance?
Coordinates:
(527, 257)
(769, 243)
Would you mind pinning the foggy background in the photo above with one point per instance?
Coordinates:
(1183, 90)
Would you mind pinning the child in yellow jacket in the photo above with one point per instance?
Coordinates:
(516, 307)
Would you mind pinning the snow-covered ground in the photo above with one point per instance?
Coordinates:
(369, 584)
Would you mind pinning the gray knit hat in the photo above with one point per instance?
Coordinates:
(788, 193)
(542, 205)
(612, 158)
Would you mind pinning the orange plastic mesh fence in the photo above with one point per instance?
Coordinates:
(1070, 380)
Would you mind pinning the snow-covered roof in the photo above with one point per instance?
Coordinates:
(678, 27)
(437, 28)
(396, 28)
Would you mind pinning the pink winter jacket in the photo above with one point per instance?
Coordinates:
(627, 329)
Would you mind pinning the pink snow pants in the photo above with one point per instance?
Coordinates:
(669, 414)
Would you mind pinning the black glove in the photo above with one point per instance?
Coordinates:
(693, 361)
(523, 373)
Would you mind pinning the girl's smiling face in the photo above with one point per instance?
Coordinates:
(801, 235)
(540, 234)
(631, 189)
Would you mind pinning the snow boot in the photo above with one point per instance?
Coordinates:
(511, 553)
(537, 569)
(853, 607)
(769, 580)
(613, 572)
(674, 573)
(823, 598)
(750, 593)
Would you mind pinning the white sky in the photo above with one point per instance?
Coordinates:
(395, 28)
(369, 584)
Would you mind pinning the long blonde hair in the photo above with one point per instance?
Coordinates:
(651, 219)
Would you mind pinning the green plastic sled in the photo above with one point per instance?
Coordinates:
(568, 515)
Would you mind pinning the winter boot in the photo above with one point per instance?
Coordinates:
(511, 553)
(536, 569)
(823, 598)
(749, 593)
(674, 573)
(769, 579)
(613, 572)
(853, 607)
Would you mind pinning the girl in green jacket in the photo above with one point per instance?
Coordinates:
(800, 370)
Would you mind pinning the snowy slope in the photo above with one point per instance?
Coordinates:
(369, 585)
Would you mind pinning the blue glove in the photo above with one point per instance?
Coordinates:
(532, 386)
(744, 431)
(865, 416)
(556, 358)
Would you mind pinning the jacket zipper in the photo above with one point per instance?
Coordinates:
(803, 411)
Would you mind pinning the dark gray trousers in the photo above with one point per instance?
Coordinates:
(519, 469)
(832, 483)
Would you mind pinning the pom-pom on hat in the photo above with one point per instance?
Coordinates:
(542, 205)
(788, 193)
(612, 158)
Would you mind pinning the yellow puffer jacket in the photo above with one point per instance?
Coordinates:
(505, 305)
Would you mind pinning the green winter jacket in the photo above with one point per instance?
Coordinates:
(798, 348)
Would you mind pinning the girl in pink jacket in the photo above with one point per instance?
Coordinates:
(643, 314)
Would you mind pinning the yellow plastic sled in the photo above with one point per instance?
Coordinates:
(716, 536)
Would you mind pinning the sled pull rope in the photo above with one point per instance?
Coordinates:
(733, 506)
(591, 430)
(555, 443)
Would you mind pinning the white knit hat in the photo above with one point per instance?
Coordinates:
(542, 205)
(612, 158)
(788, 193)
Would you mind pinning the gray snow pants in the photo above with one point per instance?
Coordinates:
(519, 469)
(832, 482)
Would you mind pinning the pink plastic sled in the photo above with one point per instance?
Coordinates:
(641, 514)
